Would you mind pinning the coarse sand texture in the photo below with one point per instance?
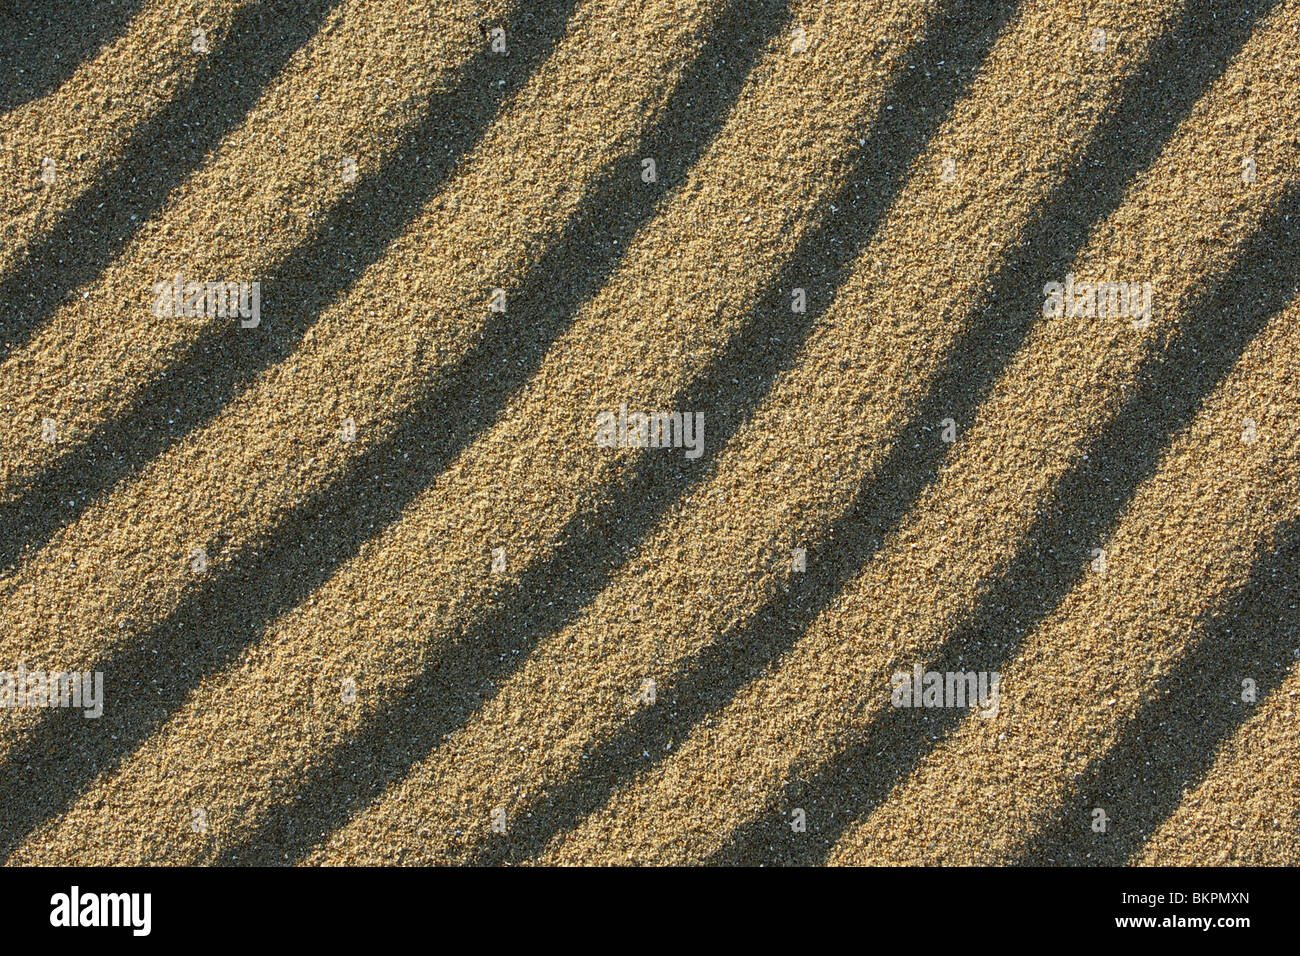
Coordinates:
(590, 432)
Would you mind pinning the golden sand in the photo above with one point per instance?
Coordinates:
(365, 588)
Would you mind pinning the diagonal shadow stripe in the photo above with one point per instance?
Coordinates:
(60, 758)
(39, 50)
(1172, 743)
(709, 679)
(599, 540)
(157, 159)
(213, 369)
(1084, 509)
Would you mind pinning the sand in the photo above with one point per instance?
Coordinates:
(365, 588)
